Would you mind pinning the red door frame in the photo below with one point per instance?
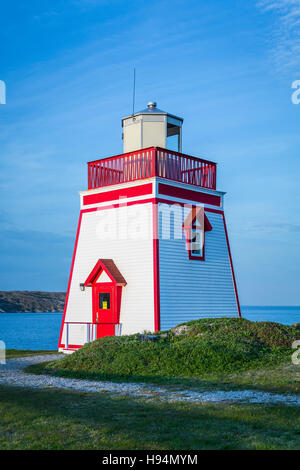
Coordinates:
(105, 315)
(110, 317)
(105, 319)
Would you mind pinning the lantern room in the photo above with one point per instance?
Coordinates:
(152, 127)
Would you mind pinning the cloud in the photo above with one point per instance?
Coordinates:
(274, 227)
(285, 39)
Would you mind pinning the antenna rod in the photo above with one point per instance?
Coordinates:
(133, 97)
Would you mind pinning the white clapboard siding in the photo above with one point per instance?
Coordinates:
(192, 289)
(132, 255)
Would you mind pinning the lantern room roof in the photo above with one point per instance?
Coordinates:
(153, 109)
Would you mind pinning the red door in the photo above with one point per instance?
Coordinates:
(104, 314)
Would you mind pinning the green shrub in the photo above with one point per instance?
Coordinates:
(209, 345)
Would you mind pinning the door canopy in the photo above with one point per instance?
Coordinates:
(109, 267)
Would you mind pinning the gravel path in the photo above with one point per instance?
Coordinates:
(12, 374)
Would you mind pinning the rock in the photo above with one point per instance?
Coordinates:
(164, 335)
(296, 325)
(180, 330)
(149, 337)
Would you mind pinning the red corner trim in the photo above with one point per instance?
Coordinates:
(156, 267)
(232, 270)
(70, 278)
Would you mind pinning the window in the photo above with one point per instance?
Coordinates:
(195, 226)
(104, 301)
(197, 242)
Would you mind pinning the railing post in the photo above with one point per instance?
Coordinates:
(215, 177)
(67, 336)
(118, 329)
(89, 176)
(154, 161)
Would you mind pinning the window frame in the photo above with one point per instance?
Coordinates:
(107, 301)
(193, 222)
(189, 243)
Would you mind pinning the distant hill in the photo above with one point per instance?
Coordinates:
(31, 301)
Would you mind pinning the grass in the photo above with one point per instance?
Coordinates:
(14, 353)
(222, 353)
(212, 353)
(283, 378)
(51, 419)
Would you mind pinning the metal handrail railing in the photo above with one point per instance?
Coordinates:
(149, 162)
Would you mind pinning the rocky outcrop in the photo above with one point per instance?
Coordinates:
(180, 330)
(31, 301)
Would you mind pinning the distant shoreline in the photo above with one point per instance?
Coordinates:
(32, 302)
(21, 313)
(53, 302)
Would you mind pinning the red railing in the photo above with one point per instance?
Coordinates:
(149, 162)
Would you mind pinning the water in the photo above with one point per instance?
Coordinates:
(41, 330)
(30, 330)
(284, 315)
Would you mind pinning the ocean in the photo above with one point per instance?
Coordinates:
(30, 330)
(41, 330)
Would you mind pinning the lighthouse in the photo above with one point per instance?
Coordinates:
(152, 247)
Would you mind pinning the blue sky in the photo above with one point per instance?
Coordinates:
(225, 67)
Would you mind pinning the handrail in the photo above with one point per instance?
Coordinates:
(149, 162)
(90, 332)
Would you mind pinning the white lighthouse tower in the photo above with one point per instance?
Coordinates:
(152, 247)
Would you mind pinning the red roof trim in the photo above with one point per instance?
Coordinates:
(207, 224)
(124, 193)
(111, 270)
(189, 194)
(196, 213)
